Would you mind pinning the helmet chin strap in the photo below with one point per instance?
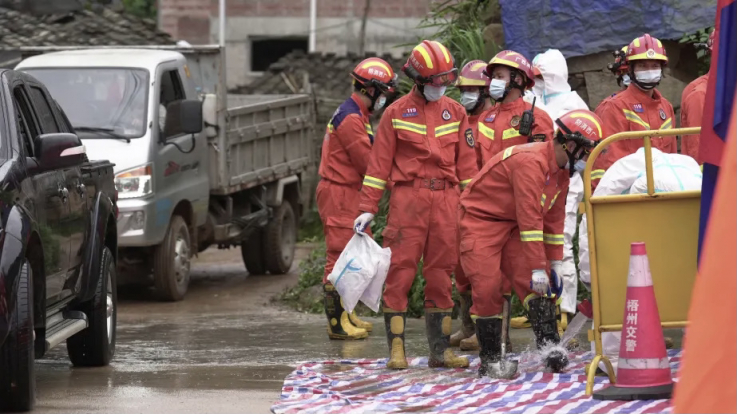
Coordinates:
(482, 97)
(577, 153)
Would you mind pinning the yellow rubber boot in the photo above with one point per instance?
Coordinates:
(339, 323)
(358, 323)
(470, 344)
(520, 322)
(438, 326)
(395, 322)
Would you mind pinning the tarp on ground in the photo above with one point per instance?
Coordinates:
(367, 386)
(583, 27)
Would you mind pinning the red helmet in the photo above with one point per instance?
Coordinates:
(619, 67)
(646, 47)
(431, 63)
(512, 60)
(473, 74)
(375, 72)
(582, 122)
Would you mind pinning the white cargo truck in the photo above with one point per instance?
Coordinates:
(194, 165)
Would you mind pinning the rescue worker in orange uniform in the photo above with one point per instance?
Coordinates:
(638, 108)
(511, 225)
(474, 86)
(620, 69)
(345, 154)
(692, 108)
(499, 127)
(425, 146)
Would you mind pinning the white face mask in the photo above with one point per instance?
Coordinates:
(539, 88)
(579, 166)
(649, 76)
(469, 100)
(626, 79)
(380, 103)
(497, 88)
(434, 93)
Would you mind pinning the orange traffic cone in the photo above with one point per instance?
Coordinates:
(643, 371)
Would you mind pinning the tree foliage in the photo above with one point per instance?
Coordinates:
(141, 8)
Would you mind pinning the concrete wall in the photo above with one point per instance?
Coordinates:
(335, 35)
(390, 23)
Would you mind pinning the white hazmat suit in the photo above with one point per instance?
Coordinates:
(558, 98)
(671, 172)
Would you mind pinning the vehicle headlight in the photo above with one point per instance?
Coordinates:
(136, 182)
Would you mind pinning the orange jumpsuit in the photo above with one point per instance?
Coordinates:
(498, 128)
(497, 123)
(633, 110)
(692, 108)
(345, 153)
(512, 217)
(462, 282)
(426, 150)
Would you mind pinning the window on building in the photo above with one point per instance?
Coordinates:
(264, 52)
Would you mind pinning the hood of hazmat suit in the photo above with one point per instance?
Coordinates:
(555, 93)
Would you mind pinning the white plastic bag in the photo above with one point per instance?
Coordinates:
(355, 270)
(372, 295)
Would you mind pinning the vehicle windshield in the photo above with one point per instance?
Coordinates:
(108, 100)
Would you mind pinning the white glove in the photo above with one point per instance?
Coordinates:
(540, 282)
(363, 221)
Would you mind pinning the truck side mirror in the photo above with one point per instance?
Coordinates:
(58, 150)
(183, 117)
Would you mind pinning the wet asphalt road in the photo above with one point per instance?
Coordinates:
(224, 349)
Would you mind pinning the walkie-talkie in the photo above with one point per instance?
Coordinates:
(528, 118)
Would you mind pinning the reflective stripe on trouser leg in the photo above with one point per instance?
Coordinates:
(406, 235)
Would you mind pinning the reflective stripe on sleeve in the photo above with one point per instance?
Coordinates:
(556, 239)
(374, 182)
(531, 235)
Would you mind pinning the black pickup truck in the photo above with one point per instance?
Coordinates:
(58, 241)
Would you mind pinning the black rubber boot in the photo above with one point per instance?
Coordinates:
(438, 325)
(489, 333)
(545, 327)
(395, 322)
(339, 323)
(467, 328)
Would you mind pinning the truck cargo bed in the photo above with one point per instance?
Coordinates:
(267, 137)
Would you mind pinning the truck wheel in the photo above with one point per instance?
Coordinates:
(95, 346)
(17, 375)
(280, 238)
(251, 252)
(172, 261)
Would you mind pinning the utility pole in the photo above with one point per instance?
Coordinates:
(362, 33)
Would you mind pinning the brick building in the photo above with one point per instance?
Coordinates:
(259, 32)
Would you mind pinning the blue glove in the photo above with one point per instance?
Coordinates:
(556, 282)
